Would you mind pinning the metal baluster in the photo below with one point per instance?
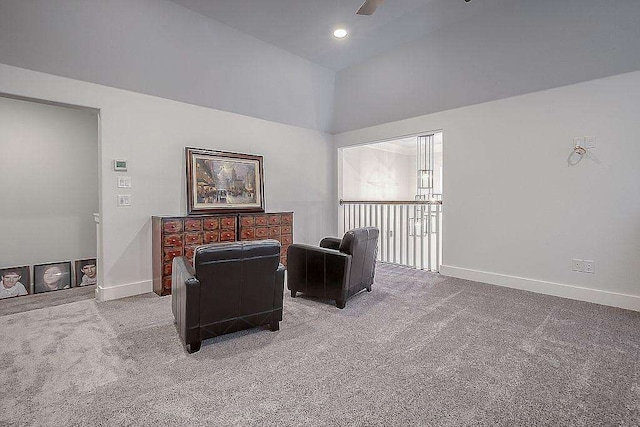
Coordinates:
(379, 257)
(352, 223)
(355, 215)
(375, 222)
(354, 210)
(348, 223)
(438, 213)
(352, 217)
(401, 232)
(383, 241)
(415, 236)
(407, 231)
(348, 215)
(393, 237)
(364, 215)
(429, 241)
(422, 237)
(375, 216)
(387, 235)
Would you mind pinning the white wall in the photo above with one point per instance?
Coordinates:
(160, 48)
(515, 213)
(48, 183)
(151, 134)
(518, 47)
(372, 174)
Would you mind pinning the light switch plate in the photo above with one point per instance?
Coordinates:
(124, 200)
(124, 182)
(589, 142)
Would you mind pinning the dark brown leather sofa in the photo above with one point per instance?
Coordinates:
(336, 270)
(233, 286)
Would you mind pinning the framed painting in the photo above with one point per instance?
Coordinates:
(219, 182)
(14, 281)
(51, 277)
(86, 272)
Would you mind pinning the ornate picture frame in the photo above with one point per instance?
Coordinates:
(219, 182)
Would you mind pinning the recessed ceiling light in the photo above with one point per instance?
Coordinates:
(340, 33)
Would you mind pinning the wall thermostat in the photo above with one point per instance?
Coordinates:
(120, 165)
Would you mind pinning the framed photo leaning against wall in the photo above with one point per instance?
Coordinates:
(86, 272)
(14, 281)
(52, 276)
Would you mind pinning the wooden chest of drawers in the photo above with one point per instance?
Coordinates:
(278, 226)
(180, 235)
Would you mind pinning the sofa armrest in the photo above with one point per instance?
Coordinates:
(185, 300)
(318, 270)
(330, 243)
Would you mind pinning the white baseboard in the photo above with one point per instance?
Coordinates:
(613, 299)
(121, 291)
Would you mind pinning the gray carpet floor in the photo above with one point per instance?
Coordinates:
(48, 299)
(421, 349)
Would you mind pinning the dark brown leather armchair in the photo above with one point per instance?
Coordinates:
(338, 269)
(233, 286)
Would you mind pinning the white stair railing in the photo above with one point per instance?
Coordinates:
(410, 231)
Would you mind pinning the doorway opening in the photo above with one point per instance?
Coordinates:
(50, 187)
(396, 186)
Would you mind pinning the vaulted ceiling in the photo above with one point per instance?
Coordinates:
(305, 27)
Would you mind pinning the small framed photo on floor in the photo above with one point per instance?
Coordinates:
(86, 272)
(52, 276)
(14, 281)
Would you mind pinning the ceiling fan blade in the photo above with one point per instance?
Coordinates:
(368, 7)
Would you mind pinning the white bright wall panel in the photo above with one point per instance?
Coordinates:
(516, 214)
(372, 174)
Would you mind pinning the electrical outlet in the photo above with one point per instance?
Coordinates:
(390, 233)
(589, 266)
(577, 265)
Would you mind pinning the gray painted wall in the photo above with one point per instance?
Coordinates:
(48, 183)
(159, 48)
(520, 47)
